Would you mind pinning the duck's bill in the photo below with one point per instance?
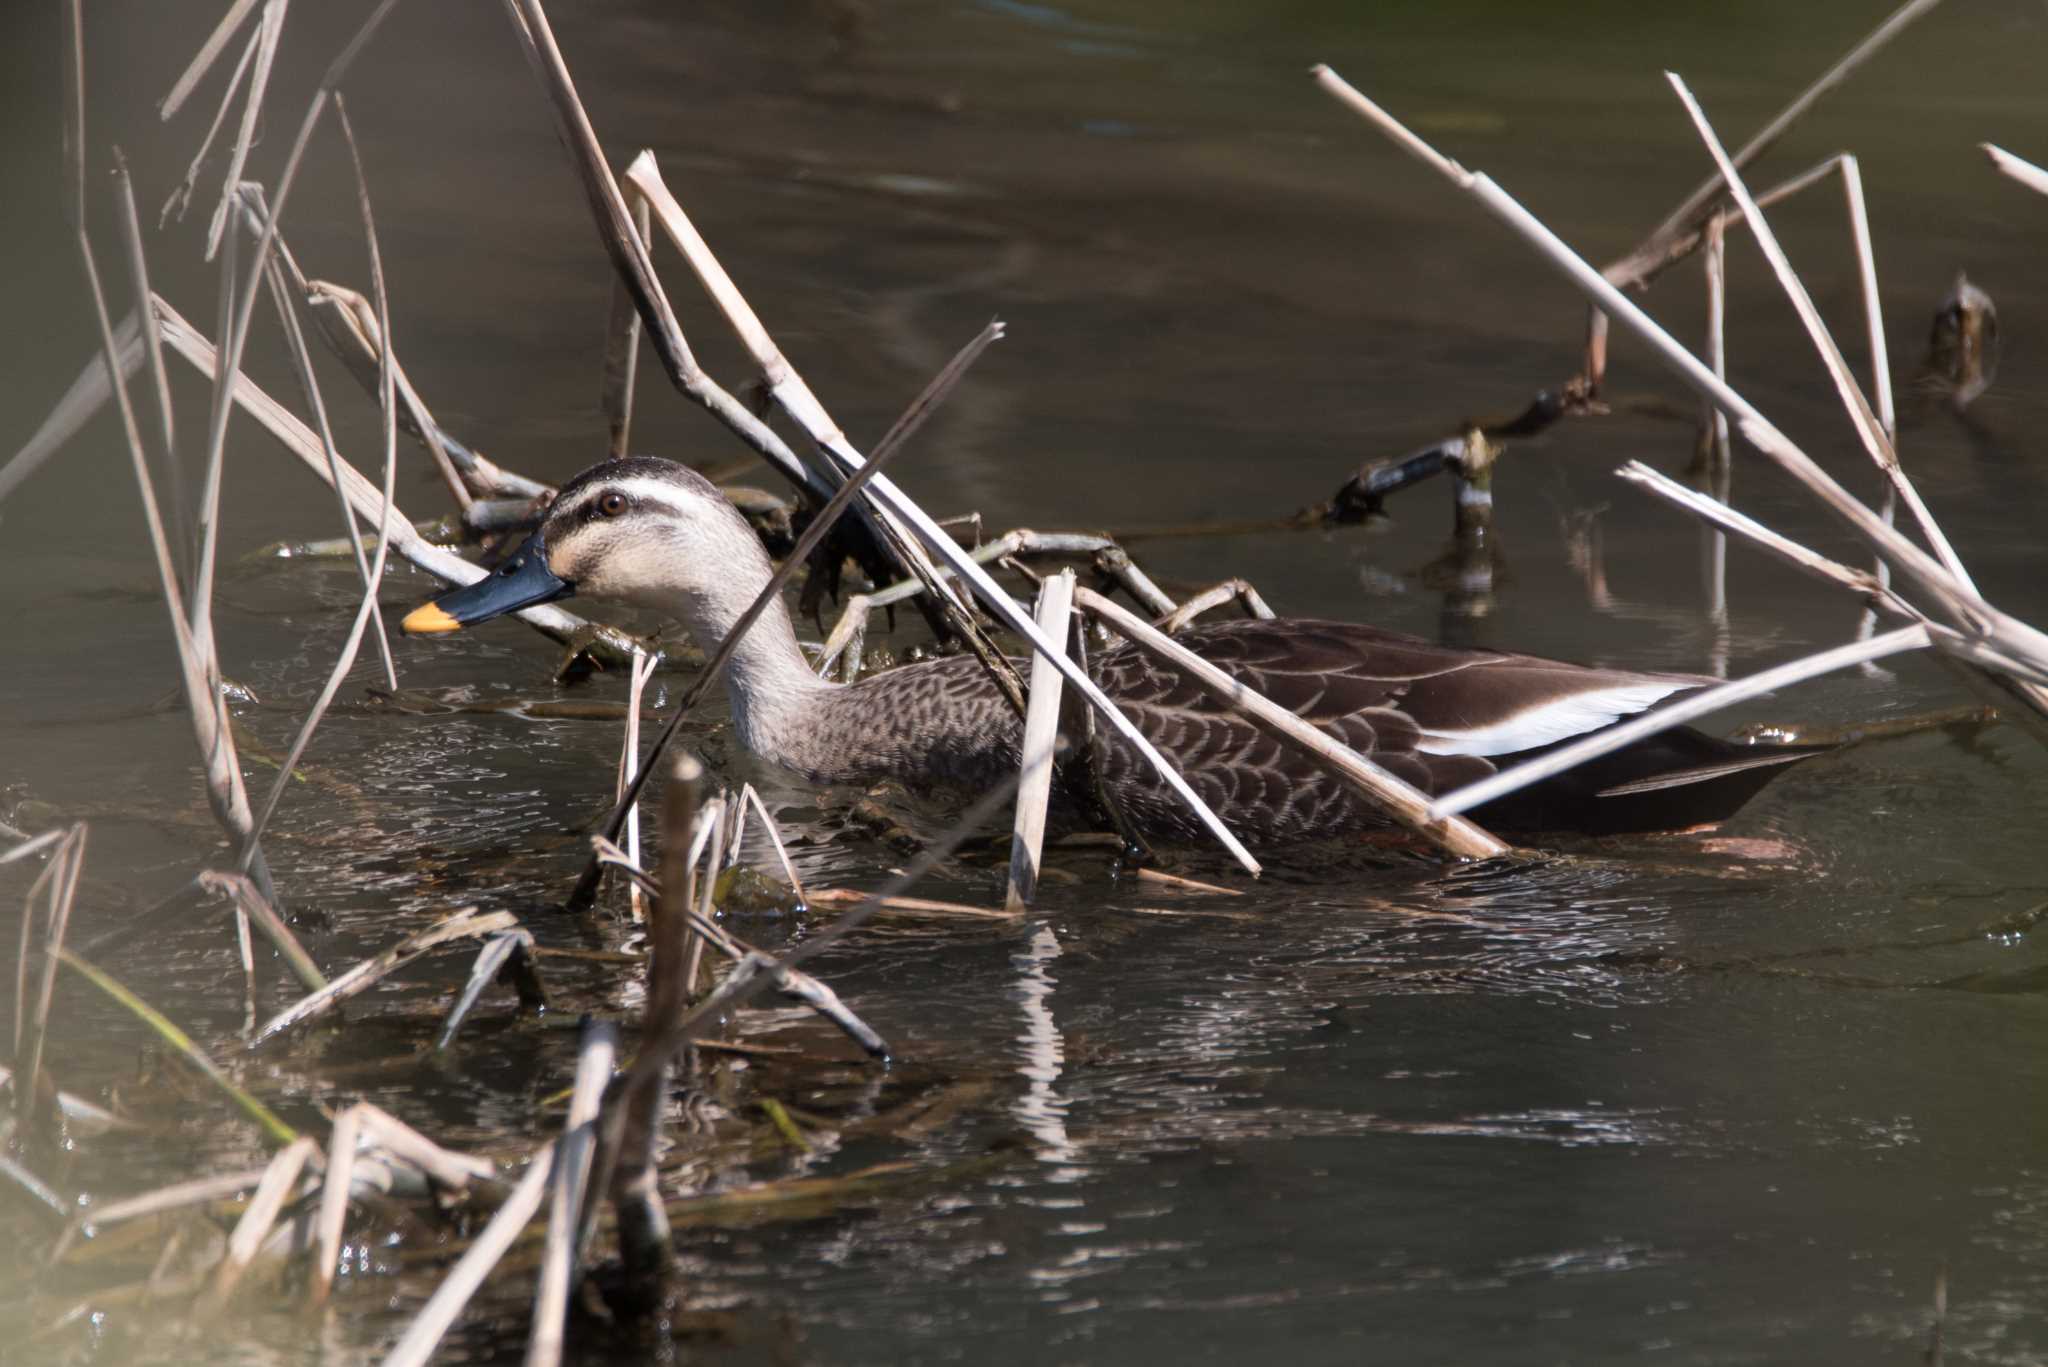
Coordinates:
(523, 581)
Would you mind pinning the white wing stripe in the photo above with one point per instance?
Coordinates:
(1548, 723)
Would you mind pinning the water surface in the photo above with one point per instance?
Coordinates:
(1717, 1104)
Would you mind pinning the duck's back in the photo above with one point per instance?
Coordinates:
(1438, 717)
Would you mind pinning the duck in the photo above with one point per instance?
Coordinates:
(655, 534)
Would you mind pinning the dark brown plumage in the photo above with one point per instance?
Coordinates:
(1380, 692)
(653, 532)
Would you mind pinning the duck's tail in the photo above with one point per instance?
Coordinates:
(1678, 780)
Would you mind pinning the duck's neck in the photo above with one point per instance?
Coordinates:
(768, 681)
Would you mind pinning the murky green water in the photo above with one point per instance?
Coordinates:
(1724, 1104)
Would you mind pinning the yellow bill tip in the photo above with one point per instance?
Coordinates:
(429, 620)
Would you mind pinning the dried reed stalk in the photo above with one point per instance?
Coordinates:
(1868, 427)
(1041, 736)
(629, 256)
(58, 885)
(180, 199)
(628, 252)
(362, 495)
(796, 884)
(1609, 739)
(1880, 357)
(199, 664)
(467, 924)
(1238, 591)
(250, 902)
(238, 303)
(202, 61)
(278, 1183)
(347, 657)
(342, 1142)
(415, 1347)
(1677, 234)
(275, 1129)
(789, 390)
(642, 1224)
(843, 498)
(1719, 466)
(622, 353)
(316, 403)
(1985, 631)
(268, 30)
(1405, 804)
(2025, 172)
(669, 1037)
(629, 761)
(573, 1152)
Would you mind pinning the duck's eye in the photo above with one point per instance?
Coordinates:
(612, 504)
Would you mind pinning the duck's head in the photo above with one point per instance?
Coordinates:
(641, 530)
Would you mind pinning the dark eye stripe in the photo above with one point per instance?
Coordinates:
(640, 495)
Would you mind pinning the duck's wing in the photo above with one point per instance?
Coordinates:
(1258, 785)
(1413, 706)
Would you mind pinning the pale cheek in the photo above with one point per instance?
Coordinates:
(621, 583)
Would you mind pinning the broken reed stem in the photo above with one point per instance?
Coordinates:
(347, 658)
(153, 352)
(239, 303)
(73, 66)
(2025, 172)
(363, 496)
(1719, 471)
(279, 1181)
(1609, 739)
(1383, 791)
(669, 1038)
(630, 258)
(2007, 639)
(342, 1142)
(705, 843)
(794, 396)
(1880, 359)
(416, 1346)
(1873, 306)
(2002, 692)
(1635, 269)
(622, 351)
(629, 253)
(180, 198)
(252, 905)
(573, 1152)
(749, 794)
(466, 924)
(1041, 737)
(199, 668)
(1875, 439)
(203, 60)
(1719, 515)
(629, 762)
(348, 325)
(59, 882)
(268, 30)
(309, 388)
(642, 1223)
(792, 982)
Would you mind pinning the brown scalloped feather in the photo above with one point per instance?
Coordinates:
(1377, 691)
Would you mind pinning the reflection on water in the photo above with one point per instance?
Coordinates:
(1723, 1099)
